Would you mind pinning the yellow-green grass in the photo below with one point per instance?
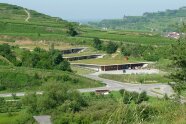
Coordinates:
(52, 75)
(128, 37)
(109, 59)
(81, 70)
(141, 78)
(30, 45)
(87, 51)
(9, 119)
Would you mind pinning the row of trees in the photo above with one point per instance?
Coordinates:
(41, 58)
(56, 97)
(38, 58)
(110, 47)
(147, 52)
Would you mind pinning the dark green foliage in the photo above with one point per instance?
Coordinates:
(64, 66)
(58, 59)
(9, 106)
(142, 97)
(134, 50)
(179, 64)
(97, 43)
(149, 53)
(71, 31)
(146, 112)
(43, 59)
(137, 98)
(111, 47)
(56, 96)
(15, 81)
(5, 51)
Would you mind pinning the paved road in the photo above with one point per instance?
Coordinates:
(157, 90)
(44, 119)
(18, 94)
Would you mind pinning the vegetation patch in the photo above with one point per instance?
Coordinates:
(138, 78)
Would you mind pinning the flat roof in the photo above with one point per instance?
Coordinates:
(75, 48)
(112, 64)
(66, 57)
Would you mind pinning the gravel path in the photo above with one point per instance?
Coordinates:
(28, 15)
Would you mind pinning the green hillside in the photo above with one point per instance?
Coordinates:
(12, 15)
(168, 20)
(15, 24)
(18, 21)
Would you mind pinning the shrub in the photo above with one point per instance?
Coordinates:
(146, 112)
(111, 47)
(97, 43)
(137, 98)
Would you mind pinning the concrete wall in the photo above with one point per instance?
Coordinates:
(73, 50)
(121, 67)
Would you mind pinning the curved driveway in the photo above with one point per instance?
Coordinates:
(157, 90)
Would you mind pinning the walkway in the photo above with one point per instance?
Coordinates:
(156, 90)
(28, 15)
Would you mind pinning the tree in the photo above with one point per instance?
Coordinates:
(178, 57)
(71, 31)
(5, 51)
(97, 43)
(179, 64)
(64, 66)
(111, 47)
(58, 59)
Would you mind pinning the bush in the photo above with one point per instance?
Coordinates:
(137, 98)
(97, 43)
(2, 87)
(146, 112)
(111, 47)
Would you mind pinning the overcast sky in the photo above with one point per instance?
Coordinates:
(96, 9)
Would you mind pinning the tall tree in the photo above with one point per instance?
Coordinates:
(97, 43)
(179, 63)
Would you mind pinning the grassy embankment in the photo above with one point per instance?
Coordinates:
(158, 111)
(141, 78)
(29, 79)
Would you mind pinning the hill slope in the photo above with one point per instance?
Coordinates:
(18, 23)
(159, 21)
(15, 19)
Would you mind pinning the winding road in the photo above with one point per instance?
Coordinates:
(28, 15)
(156, 90)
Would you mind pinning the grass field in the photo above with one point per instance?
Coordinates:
(142, 78)
(110, 59)
(129, 37)
(23, 75)
(81, 71)
(9, 119)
